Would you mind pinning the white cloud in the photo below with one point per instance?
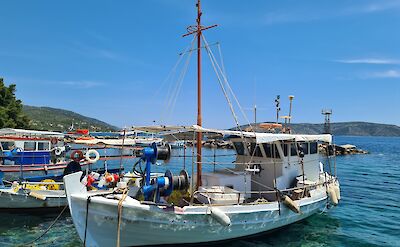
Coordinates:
(385, 74)
(82, 84)
(377, 6)
(321, 12)
(369, 61)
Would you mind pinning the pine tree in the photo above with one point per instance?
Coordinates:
(11, 114)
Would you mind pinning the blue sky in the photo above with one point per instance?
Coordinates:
(111, 59)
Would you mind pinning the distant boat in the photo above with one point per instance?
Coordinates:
(177, 144)
(32, 153)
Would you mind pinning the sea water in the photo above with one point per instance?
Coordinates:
(368, 214)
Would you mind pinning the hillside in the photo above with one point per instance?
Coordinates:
(47, 118)
(349, 129)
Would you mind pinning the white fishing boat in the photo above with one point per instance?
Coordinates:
(32, 196)
(277, 179)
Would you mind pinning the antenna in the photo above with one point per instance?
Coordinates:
(327, 125)
(277, 102)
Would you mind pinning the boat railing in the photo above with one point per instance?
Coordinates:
(43, 183)
(246, 163)
(263, 192)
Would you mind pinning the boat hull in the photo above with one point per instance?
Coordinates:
(23, 201)
(150, 225)
(14, 172)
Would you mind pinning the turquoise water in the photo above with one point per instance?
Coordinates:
(368, 215)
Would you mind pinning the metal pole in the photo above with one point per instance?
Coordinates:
(255, 115)
(122, 152)
(290, 108)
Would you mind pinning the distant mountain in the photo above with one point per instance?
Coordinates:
(349, 129)
(47, 118)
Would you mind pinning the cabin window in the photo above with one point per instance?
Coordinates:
(8, 145)
(293, 149)
(313, 148)
(285, 149)
(255, 150)
(271, 150)
(304, 145)
(275, 150)
(29, 146)
(43, 146)
(239, 148)
(267, 149)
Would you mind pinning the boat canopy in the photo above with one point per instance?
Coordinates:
(188, 133)
(117, 142)
(23, 132)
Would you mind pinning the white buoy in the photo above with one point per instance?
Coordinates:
(337, 191)
(290, 204)
(37, 195)
(332, 195)
(220, 216)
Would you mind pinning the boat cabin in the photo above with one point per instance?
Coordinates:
(266, 162)
(26, 147)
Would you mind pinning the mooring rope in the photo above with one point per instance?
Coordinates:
(124, 195)
(46, 231)
(86, 220)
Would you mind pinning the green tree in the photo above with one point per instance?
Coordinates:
(11, 114)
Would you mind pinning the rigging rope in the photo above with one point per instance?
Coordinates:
(228, 85)
(171, 73)
(221, 84)
(173, 93)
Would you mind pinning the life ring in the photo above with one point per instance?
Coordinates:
(79, 153)
(58, 151)
(92, 152)
(54, 140)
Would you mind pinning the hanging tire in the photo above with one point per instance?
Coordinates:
(89, 158)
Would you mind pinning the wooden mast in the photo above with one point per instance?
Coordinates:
(199, 116)
(197, 30)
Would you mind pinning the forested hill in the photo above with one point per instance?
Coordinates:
(47, 118)
(349, 129)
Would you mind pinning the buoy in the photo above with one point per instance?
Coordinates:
(111, 178)
(101, 183)
(90, 180)
(332, 195)
(290, 204)
(337, 191)
(37, 195)
(92, 152)
(220, 216)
